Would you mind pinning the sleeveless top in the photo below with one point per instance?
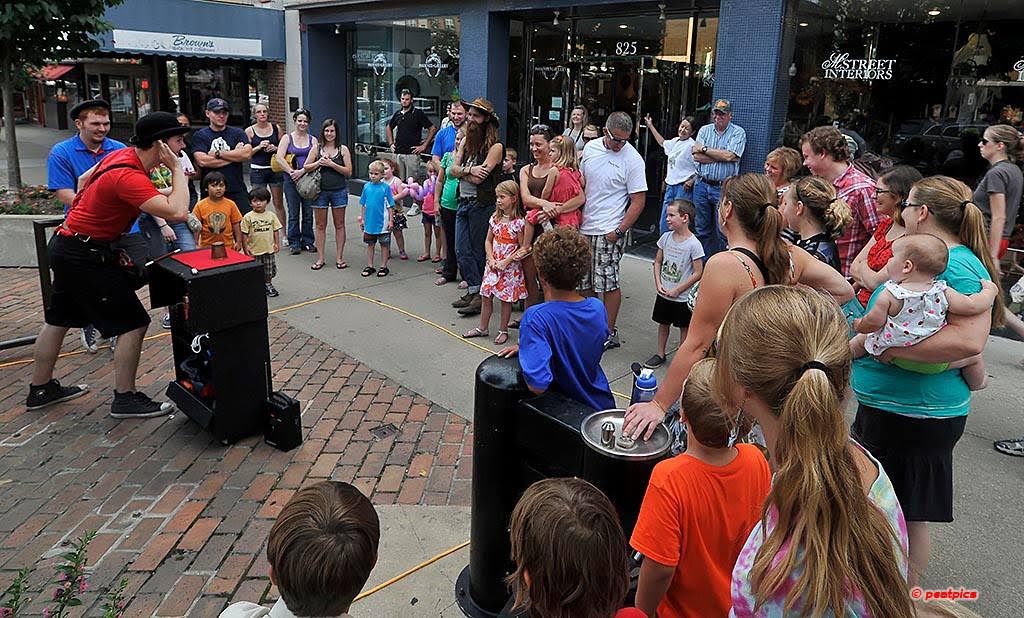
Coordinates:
(534, 185)
(484, 191)
(300, 153)
(331, 179)
(261, 159)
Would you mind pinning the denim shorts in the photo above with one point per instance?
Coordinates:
(382, 239)
(258, 177)
(332, 199)
(429, 219)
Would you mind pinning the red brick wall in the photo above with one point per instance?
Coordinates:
(275, 87)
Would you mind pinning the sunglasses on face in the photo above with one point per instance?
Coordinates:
(587, 138)
(617, 140)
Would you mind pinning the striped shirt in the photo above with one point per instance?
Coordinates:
(858, 190)
(734, 139)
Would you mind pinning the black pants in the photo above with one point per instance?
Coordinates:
(450, 263)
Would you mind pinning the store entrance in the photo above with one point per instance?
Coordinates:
(637, 85)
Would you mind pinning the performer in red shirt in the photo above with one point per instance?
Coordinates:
(89, 284)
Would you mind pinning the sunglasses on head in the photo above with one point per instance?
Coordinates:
(540, 127)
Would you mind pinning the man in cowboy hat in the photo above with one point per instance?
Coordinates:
(71, 158)
(89, 284)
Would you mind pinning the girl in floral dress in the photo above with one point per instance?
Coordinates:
(506, 246)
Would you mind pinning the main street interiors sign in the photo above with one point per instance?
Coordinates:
(187, 44)
(840, 66)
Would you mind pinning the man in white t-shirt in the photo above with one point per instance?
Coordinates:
(616, 190)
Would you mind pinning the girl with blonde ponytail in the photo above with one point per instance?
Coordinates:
(757, 256)
(832, 539)
(911, 421)
(815, 217)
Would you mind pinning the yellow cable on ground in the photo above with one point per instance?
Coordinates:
(443, 329)
(419, 566)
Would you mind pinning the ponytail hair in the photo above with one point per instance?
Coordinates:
(1010, 138)
(820, 199)
(950, 202)
(788, 346)
(753, 202)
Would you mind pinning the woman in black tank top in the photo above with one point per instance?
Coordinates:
(264, 137)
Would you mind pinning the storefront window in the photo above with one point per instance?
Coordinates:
(919, 84)
(419, 55)
(201, 80)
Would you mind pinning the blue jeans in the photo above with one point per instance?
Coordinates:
(672, 193)
(297, 205)
(332, 199)
(705, 201)
(154, 236)
(471, 223)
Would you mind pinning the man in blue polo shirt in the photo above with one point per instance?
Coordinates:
(444, 141)
(73, 157)
(716, 153)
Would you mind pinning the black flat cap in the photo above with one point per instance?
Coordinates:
(88, 104)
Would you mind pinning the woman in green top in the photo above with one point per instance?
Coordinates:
(446, 193)
(911, 421)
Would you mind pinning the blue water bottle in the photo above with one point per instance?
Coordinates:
(645, 386)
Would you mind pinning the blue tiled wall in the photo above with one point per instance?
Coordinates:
(755, 48)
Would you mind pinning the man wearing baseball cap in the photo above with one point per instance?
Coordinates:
(223, 148)
(89, 284)
(716, 153)
(71, 158)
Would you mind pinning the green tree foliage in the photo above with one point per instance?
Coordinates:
(34, 33)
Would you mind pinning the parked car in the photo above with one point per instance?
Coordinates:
(929, 149)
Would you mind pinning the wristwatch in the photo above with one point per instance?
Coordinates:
(619, 233)
(704, 150)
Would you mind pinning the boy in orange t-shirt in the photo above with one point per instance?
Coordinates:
(220, 217)
(699, 509)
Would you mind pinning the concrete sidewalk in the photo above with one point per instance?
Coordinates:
(34, 143)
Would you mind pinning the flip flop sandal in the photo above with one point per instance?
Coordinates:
(436, 259)
(440, 281)
(383, 272)
(316, 266)
(501, 338)
(463, 285)
(403, 256)
(369, 270)
(475, 332)
(423, 258)
(341, 265)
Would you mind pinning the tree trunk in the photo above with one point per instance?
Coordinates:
(13, 164)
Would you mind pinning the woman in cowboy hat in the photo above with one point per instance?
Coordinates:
(477, 166)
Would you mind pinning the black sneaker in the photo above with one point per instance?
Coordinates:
(42, 395)
(89, 339)
(271, 290)
(137, 405)
(612, 341)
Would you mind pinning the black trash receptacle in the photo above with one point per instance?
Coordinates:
(519, 438)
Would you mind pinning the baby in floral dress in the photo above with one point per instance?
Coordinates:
(506, 246)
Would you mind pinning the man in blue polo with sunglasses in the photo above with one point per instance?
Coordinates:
(716, 153)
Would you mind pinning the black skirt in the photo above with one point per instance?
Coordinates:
(917, 454)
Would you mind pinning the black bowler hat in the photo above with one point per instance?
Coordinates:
(157, 125)
(88, 104)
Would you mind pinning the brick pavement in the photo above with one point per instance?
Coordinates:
(182, 517)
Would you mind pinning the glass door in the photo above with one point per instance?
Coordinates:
(122, 106)
(550, 96)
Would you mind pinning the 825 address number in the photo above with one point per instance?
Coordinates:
(625, 48)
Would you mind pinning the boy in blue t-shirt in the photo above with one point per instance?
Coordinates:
(375, 221)
(561, 340)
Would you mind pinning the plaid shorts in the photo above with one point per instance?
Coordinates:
(603, 275)
(269, 265)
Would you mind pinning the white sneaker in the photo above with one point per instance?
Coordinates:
(413, 211)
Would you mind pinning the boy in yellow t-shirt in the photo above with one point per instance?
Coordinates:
(260, 233)
(220, 216)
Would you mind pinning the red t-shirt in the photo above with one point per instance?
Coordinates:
(697, 517)
(108, 205)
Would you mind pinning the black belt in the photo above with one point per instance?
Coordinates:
(712, 183)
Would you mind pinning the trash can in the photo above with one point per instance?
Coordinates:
(520, 438)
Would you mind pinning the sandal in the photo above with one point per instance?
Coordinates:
(513, 324)
(316, 265)
(341, 265)
(383, 272)
(435, 259)
(439, 270)
(369, 270)
(501, 338)
(402, 255)
(423, 258)
(476, 331)
(440, 281)
(463, 285)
